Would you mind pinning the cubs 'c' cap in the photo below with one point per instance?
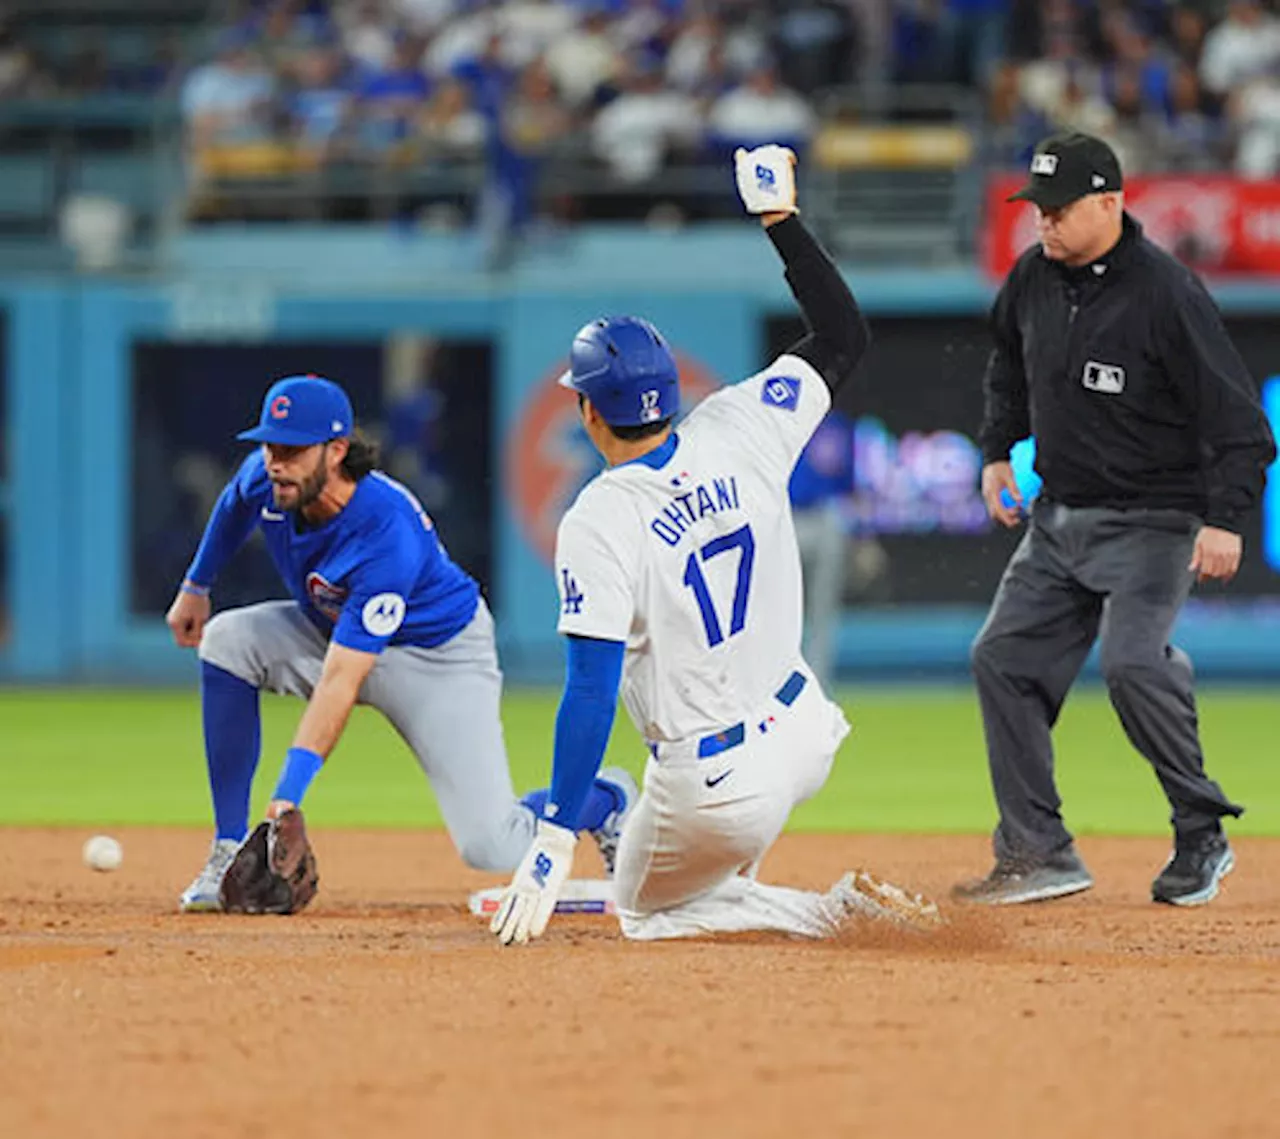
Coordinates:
(624, 367)
(300, 410)
(1066, 167)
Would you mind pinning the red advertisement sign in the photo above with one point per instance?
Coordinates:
(1217, 224)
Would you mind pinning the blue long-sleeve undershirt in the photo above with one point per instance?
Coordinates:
(228, 528)
(593, 671)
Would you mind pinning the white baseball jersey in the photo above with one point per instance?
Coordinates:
(689, 556)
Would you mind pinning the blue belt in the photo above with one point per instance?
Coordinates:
(728, 738)
(722, 741)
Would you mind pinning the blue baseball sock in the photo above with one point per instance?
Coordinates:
(602, 800)
(232, 742)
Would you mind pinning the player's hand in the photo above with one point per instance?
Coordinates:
(527, 905)
(187, 618)
(997, 483)
(1216, 555)
(766, 179)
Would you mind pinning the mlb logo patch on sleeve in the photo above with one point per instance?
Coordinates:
(782, 392)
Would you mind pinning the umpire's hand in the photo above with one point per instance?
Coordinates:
(1217, 554)
(996, 479)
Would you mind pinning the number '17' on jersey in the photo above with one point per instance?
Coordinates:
(688, 555)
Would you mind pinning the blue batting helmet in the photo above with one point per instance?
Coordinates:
(624, 367)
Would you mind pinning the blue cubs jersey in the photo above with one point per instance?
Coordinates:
(376, 574)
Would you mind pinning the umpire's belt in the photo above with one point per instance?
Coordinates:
(728, 738)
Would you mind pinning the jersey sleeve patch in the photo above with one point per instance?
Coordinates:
(781, 392)
(596, 592)
(383, 614)
(571, 595)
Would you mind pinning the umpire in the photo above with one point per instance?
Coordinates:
(1153, 448)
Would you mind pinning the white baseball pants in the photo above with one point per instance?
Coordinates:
(688, 854)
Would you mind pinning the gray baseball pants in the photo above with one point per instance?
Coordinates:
(1078, 572)
(444, 702)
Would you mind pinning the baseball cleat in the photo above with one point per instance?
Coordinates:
(860, 894)
(1195, 869)
(610, 831)
(1015, 883)
(201, 896)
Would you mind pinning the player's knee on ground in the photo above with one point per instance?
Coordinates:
(626, 899)
(223, 644)
(635, 917)
(640, 927)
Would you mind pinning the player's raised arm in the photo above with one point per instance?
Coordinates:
(838, 333)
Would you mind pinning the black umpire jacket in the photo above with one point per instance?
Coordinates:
(1125, 375)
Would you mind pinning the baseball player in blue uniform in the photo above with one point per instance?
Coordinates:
(680, 590)
(378, 615)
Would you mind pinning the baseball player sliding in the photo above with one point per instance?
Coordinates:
(680, 584)
(379, 614)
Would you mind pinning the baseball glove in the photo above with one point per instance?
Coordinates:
(274, 872)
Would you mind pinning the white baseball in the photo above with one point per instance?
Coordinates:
(103, 853)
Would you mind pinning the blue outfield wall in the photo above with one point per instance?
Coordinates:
(69, 375)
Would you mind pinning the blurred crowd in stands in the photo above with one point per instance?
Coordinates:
(632, 83)
(637, 85)
(1171, 85)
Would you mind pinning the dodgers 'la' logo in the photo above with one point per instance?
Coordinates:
(573, 595)
(782, 392)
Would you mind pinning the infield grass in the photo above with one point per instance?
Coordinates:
(914, 762)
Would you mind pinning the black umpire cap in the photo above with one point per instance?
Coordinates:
(1069, 166)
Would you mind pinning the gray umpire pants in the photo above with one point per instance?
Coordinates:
(1078, 571)
(444, 702)
(820, 536)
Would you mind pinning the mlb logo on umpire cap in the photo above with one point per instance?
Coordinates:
(1070, 166)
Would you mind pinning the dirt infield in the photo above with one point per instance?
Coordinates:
(387, 1010)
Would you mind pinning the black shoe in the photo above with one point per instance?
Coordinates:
(1013, 883)
(1191, 876)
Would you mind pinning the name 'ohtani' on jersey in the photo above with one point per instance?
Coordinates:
(687, 508)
